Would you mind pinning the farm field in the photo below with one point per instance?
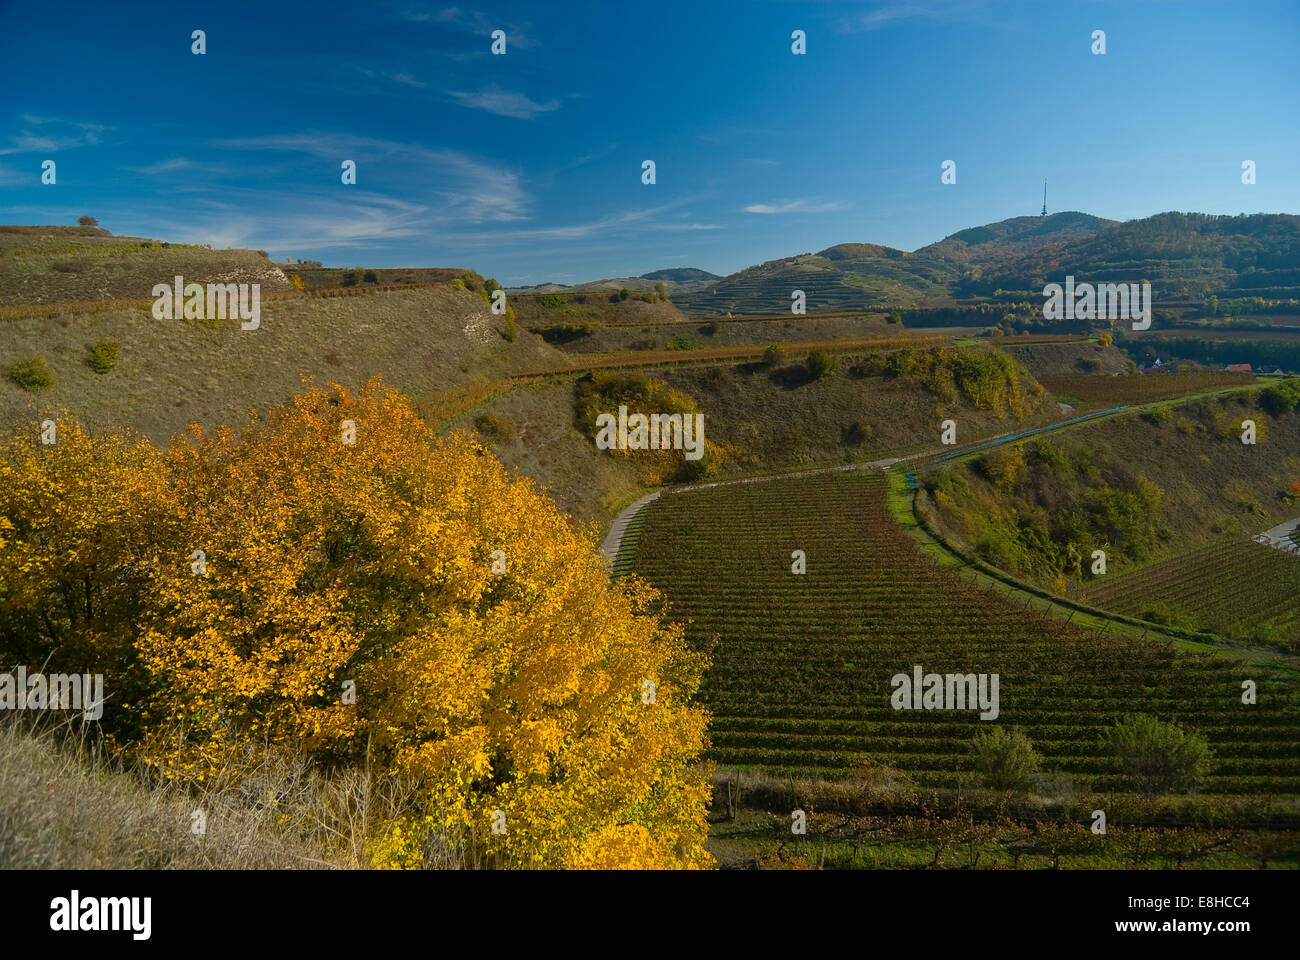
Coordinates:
(801, 678)
(1234, 587)
(1146, 388)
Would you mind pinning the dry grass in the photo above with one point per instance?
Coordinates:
(126, 269)
(170, 372)
(63, 805)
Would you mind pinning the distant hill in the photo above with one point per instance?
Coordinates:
(1182, 255)
(849, 276)
(859, 276)
(1010, 239)
(674, 279)
(682, 276)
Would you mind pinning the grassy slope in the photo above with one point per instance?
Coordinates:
(546, 446)
(1213, 486)
(768, 419)
(66, 264)
(828, 283)
(594, 308)
(720, 333)
(170, 372)
(1068, 359)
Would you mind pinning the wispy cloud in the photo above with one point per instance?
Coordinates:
(631, 222)
(886, 14)
(471, 190)
(472, 21)
(47, 134)
(166, 166)
(316, 221)
(504, 103)
(796, 206)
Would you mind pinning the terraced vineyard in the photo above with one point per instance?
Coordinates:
(1226, 587)
(1144, 388)
(802, 665)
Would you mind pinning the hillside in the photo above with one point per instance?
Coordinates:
(674, 280)
(844, 277)
(757, 418)
(680, 334)
(800, 682)
(1181, 254)
(566, 316)
(1142, 487)
(171, 372)
(1010, 239)
(854, 276)
(60, 264)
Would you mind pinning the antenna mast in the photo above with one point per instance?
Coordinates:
(1044, 213)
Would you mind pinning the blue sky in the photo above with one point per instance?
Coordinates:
(527, 166)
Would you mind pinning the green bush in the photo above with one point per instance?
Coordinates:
(371, 277)
(1168, 615)
(857, 433)
(551, 301)
(103, 356)
(1281, 398)
(681, 343)
(692, 470)
(820, 364)
(1004, 759)
(709, 329)
(33, 374)
(1004, 467)
(490, 425)
(774, 355)
(566, 332)
(1157, 757)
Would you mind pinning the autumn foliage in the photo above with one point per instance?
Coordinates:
(282, 588)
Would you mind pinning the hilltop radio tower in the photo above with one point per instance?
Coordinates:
(1044, 213)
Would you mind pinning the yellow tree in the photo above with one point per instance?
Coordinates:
(368, 589)
(82, 518)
